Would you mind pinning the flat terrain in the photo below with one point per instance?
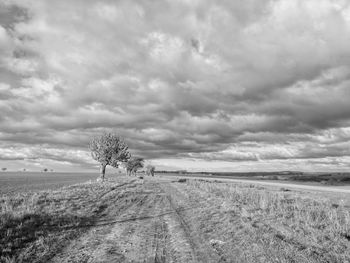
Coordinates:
(15, 182)
(275, 183)
(307, 185)
(127, 219)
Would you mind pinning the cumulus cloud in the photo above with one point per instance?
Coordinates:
(259, 83)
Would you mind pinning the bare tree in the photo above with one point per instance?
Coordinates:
(133, 165)
(150, 170)
(109, 149)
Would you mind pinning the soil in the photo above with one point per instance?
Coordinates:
(148, 222)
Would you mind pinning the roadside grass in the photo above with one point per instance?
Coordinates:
(242, 222)
(33, 226)
(264, 225)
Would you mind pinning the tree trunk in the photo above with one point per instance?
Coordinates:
(103, 171)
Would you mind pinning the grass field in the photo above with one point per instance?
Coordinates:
(127, 219)
(316, 178)
(15, 182)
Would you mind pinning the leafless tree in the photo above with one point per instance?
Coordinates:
(109, 149)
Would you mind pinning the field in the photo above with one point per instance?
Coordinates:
(14, 182)
(336, 179)
(164, 219)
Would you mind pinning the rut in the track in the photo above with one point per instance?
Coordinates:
(126, 234)
(200, 250)
(119, 203)
(159, 242)
(149, 228)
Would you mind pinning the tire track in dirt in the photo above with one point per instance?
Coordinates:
(131, 231)
(150, 227)
(160, 236)
(116, 188)
(81, 249)
(184, 195)
(117, 242)
(200, 251)
(150, 234)
(165, 237)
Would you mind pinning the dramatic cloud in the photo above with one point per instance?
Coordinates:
(242, 85)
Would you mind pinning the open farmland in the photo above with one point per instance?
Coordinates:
(127, 219)
(14, 182)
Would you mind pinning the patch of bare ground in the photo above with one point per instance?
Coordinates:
(150, 229)
(156, 220)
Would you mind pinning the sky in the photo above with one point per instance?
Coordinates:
(229, 85)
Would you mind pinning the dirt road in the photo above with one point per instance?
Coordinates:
(291, 185)
(143, 221)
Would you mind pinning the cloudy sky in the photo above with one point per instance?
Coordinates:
(223, 85)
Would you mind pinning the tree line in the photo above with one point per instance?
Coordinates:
(110, 149)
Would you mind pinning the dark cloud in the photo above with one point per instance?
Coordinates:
(255, 82)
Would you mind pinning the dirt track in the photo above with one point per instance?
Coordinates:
(293, 185)
(142, 222)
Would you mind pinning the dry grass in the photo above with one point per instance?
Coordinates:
(34, 225)
(264, 225)
(242, 223)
